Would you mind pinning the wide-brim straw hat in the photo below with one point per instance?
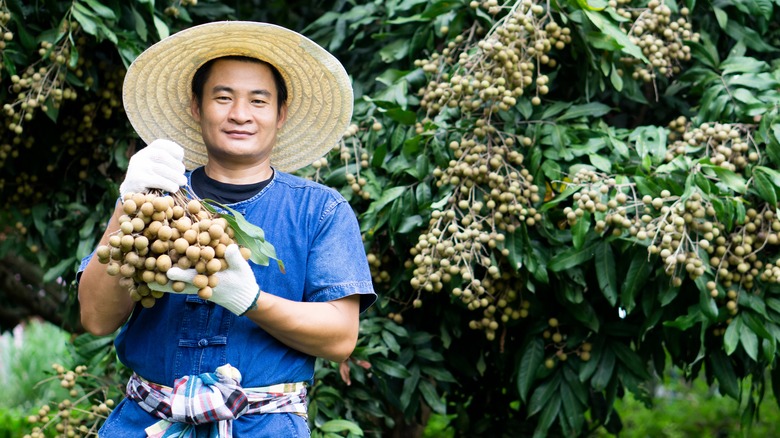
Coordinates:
(158, 88)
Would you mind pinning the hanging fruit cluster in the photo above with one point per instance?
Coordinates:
(492, 73)
(158, 231)
(660, 33)
(491, 194)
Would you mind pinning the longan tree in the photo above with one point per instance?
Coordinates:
(555, 196)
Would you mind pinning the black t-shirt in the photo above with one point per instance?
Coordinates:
(224, 193)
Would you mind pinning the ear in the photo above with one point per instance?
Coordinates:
(195, 108)
(282, 117)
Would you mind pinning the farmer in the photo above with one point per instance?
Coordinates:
(227, 109)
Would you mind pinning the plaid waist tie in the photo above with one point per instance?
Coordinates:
(205, 405)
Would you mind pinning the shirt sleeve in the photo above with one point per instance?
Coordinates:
(337, 263)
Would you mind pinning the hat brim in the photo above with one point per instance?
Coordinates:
(157, 89)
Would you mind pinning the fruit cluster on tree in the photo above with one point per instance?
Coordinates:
(559, 199)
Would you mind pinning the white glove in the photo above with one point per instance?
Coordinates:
(157, 166)
(237, 289)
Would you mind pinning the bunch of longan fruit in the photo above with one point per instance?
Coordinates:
(158, 231)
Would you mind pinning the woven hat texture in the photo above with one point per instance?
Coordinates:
(157, 89)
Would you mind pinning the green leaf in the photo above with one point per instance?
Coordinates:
(339, 426)
(543, 394)
(706, 303)
(606, 273)
(432, 398)
(593, 109)
(409, 388)
(600, 162)
(609, 28)
(604, 370)
(724, 372)
(85, 19)
(630, 359)
(247, 234)
(579, 232)
(391, 342)
(638, 272)
(749, 341)
(748, 37)
(550, 412)
(530, 361)
(59, 269)
(101, 10)
(390, 368)
(162, 29)
(572, 257)
(731, 337)
(763, 184)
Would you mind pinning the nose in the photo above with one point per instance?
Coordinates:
(239, 112)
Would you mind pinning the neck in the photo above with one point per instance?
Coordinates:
(238, 174)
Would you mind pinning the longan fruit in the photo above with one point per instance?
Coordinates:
(204, 224)
(143, 289)
(180, 245)
(126, 227)
(154, 227)
(184, 263)
(148, 276)
(103, 252)
(200, 281)
(160, 278)
(138, 198)
(164, 263)
(190, 236)
(159, 247)
(113, 269)
(207, 253)
(213, 266)
(216, 231)
(126, 242)
(204, 238)
(164, 233)
(148, 301)
(193, 253)
(183, 224)
(205, 293)
(129, 206)
(147, 209)
(138, 224)
(194, 206)
(178, 211)
(160, 204)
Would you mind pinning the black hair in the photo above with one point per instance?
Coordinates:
(202, 75)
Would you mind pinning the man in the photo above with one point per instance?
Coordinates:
(227, 109)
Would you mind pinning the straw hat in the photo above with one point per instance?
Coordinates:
(157, 89)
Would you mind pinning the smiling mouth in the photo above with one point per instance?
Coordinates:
(239, 133)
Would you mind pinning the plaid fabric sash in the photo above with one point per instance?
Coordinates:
(205, 405)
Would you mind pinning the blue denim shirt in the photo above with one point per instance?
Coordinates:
(316, 235)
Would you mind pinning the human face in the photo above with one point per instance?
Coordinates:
(239, 115)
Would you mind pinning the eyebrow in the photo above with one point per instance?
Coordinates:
(220, 88)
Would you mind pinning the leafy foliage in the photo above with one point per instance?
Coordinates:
(555, 196)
